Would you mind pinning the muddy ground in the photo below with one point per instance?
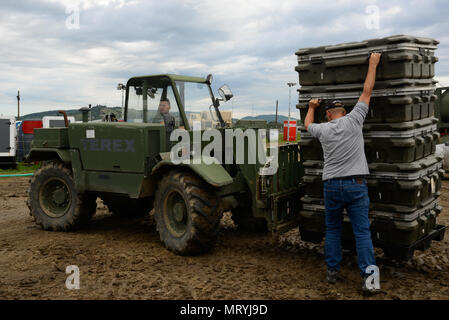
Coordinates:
(122, 258)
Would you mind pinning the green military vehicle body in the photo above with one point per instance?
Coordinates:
(128, 165)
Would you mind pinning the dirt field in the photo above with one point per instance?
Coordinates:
(123, 258)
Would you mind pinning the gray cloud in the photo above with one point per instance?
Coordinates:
(249, 45)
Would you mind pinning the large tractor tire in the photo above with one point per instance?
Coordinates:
(244, 221)
(54, 202)
(126, 207)
(187, 213)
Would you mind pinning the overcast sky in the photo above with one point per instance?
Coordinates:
(249, 45)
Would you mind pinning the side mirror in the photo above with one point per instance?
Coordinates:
(225, 93)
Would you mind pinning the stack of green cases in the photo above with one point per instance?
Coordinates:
(405, 57)
(388, 142)
(396, 104)
(391, 186)
(400, 134)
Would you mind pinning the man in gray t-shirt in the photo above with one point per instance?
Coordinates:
(344, 169)
(342, 141)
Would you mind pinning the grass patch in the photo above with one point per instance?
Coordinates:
(21, 168)
(282, 141)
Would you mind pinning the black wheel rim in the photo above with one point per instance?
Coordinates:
(175, 214)
(55, 198)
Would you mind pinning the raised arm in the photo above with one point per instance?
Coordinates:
(310, 117)
(370, 78)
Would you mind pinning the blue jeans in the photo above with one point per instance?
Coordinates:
(352, 194)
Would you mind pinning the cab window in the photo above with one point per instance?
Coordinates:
(197, 101)
(158, 99)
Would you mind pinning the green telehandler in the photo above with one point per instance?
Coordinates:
(130, 166)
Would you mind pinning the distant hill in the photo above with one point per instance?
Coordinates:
(270, 118)
(97, 112)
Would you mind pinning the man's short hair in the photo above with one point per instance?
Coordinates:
(337, 110)
(165, 99)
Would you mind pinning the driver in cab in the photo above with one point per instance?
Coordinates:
(164, 117)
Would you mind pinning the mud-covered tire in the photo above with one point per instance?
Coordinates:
(187, 213)
(54, 202)
(244, 222)
(126, 207)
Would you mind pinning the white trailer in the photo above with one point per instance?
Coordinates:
(8, 137)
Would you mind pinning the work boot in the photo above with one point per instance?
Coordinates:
(332, 276)
(368, 291)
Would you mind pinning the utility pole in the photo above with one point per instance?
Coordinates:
(277, 105)
(18, 105)
(290, 85)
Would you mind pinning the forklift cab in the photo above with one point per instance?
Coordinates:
(173, 100)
